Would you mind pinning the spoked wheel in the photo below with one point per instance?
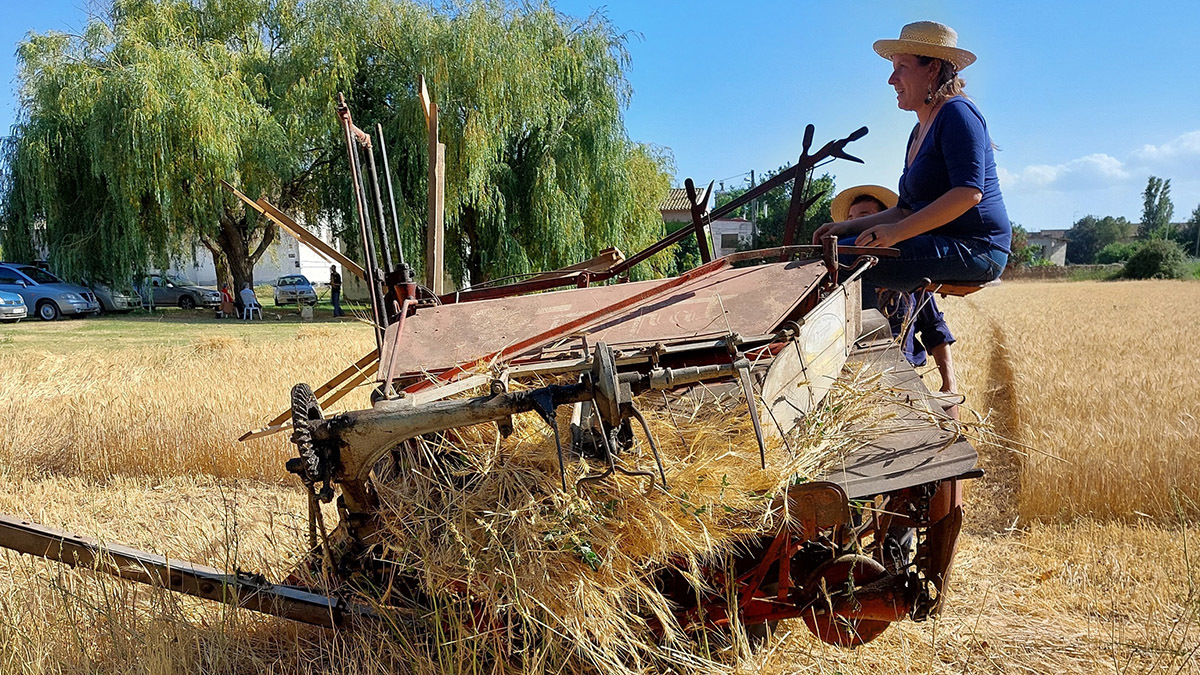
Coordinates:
(832, 582)
(305, 410)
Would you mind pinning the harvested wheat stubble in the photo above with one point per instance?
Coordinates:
(503, 568)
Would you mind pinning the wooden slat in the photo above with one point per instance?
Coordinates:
(607, 258)
(435, 237)
(307, 238)
(177, 575)
(289, 225)
(356, 373)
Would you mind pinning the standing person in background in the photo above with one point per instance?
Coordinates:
(909, 314)
(950, 223)
(335, 291)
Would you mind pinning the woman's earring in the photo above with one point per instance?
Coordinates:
(929, 96)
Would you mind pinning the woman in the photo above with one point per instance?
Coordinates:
(950, 223)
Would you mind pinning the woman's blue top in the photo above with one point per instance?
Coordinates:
(957, 152)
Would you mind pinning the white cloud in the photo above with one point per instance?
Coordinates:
(1053, 195)
(1091, 171)
(1185, 148)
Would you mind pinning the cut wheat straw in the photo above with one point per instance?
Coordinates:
(509, 571)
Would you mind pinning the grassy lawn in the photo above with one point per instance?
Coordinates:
(171, 328)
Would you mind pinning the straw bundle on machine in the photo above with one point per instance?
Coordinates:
(501, 571)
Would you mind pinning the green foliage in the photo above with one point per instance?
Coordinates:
(1022, 252)
(773, 208)
(540, 172)
(1189, 235)
(127, 129)
(1117, 252)
(1091, 234)
(1094, 274)
(1157, 259)
(1157, 209)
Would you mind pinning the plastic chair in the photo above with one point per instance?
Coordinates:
(248, 311)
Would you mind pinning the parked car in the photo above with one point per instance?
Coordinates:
(12, 307)
(49, 296)
(113, 299)
(294, 288)
(170, 290)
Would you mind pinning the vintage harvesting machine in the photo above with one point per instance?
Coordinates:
(775, 325)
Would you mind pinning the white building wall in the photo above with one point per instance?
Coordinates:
(1054, 249)
(285, 256)
(727, 235)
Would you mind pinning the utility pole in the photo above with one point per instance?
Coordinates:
(753, 215)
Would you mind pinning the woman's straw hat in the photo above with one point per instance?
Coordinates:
(927, 38)
(839, 208)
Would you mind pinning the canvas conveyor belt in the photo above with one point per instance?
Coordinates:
(919, 454)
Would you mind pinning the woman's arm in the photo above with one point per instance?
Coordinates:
(942, 210)
(892, 215)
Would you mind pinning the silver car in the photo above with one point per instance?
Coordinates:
(114, 299)
(294, 288)
(49, 296)
(166, 290)
(12, 307)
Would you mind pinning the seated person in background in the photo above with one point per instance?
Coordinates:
(908, 313)
(249, 299)
(227, 307)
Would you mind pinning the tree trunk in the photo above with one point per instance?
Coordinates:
(474, 263)
(220, 265)
(235, 239)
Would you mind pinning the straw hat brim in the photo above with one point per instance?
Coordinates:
(961, 58)
(839, 208)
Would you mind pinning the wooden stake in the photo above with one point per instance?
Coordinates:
(435, 245)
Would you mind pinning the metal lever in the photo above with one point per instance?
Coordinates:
(743, 367)
(543, 404)
(634, 413)
(613, 467)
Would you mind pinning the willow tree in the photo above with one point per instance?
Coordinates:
(540, 171)
(126, 129)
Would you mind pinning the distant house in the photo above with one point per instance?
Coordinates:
(729, 233)
(1053, 244)
(725, 235)
(676, 208)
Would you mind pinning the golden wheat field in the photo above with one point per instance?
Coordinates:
(1078, 555)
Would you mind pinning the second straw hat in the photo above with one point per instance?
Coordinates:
(839, 208)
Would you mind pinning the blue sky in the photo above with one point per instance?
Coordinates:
(1085, 100)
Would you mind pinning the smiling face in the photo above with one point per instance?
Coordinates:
(911, 80)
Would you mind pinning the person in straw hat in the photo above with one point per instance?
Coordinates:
(949, 222)
(909, 314)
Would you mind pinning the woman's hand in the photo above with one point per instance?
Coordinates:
(880, 236)
(837, 229)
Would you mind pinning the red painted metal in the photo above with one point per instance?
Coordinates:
(571, 326)
(749, 301)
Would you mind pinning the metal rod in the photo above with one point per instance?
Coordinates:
(240, 589)
(352, 155)
(381, 220)
(387, 174)
(377, 310)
